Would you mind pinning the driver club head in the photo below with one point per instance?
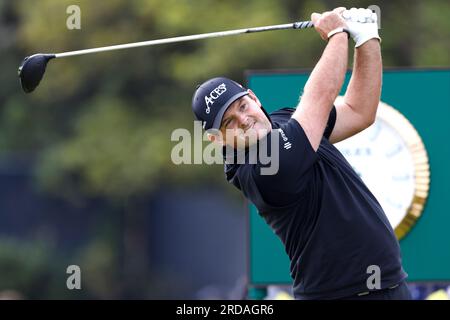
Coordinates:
(32, 70)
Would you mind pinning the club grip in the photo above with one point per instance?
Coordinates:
(303, 24)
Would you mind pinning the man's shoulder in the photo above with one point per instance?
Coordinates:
(239, 174)
(281, 115)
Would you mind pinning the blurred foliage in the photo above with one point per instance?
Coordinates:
(26, 269)
(34, 270)
(100, 125)
(99, 275)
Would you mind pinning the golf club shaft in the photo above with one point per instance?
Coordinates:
(295, 25)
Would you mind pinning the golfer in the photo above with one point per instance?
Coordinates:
(338, 239)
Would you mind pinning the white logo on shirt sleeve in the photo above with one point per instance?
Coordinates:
(287, 145)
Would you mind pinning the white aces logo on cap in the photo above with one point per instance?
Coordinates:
(213, 95)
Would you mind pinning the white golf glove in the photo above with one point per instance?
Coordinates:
(362, 25)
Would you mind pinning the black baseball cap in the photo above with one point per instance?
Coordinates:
(213, 97)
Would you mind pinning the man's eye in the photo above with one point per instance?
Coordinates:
(243, 106)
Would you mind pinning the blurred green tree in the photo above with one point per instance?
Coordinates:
(100, 125)
(27, 270)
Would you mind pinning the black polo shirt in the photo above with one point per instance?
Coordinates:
(330, 223)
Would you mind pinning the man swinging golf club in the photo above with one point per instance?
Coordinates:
(333, 229)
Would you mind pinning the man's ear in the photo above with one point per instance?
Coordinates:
(215, 138)
(253, 96)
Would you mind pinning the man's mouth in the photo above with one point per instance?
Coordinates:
(249, 127)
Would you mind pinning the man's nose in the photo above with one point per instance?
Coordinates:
(243, 121)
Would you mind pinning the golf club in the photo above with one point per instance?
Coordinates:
(33, 67)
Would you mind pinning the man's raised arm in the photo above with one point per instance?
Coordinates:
(326, 79)
(357, 110)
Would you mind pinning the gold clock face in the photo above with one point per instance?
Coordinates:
(391, 159)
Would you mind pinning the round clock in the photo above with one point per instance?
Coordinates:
(391, 159)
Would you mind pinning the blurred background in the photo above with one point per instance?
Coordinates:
(86, 176)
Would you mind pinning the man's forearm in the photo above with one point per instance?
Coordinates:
(327, 78)
(364, 89)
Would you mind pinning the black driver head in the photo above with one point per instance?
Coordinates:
(32, 70)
